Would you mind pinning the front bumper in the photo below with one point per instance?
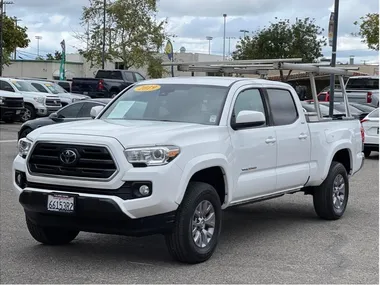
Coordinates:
(98, 215)
(45, 111)
(11, 112)
(165, 181)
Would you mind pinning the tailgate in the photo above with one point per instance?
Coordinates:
(84, 85)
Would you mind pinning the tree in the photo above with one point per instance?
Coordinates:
(57, 56)
(13, 37)
(155, 68)
(132, 34)
(283, 40)
(369, 30)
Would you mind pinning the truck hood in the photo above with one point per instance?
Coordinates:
(38, 94)
(128, 133)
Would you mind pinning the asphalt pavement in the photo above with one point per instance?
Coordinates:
(276, 241)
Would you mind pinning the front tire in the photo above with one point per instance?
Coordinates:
(198, 224)
(29, 114)
(331, 197)
(50, 235)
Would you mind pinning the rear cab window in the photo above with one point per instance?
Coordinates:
(282, 105)
(363, 83)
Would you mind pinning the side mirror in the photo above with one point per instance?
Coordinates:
(54, 117)
(95, 111)
(246, 119)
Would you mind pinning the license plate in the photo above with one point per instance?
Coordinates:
(61, 203)
(18, 112)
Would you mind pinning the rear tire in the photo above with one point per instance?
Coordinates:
(331, 197)
(50, 235)
(194, 239)
(367, 152)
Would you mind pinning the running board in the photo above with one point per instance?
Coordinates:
(264, 198)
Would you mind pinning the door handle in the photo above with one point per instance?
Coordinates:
(302, 136)
(270, 140)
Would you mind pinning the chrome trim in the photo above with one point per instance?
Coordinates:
(72, 177)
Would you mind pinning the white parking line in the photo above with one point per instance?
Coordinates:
(8, 141)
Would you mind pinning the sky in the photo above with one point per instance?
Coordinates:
(191, 21)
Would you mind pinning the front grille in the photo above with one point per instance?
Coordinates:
(53, 102)
(86, 162)
(13, 102)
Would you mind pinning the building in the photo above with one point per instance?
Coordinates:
(77, 66)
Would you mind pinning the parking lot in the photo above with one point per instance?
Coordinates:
(276, 241)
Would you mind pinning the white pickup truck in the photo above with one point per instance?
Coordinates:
(167, 155)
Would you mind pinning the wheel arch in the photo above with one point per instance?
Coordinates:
(209, 169)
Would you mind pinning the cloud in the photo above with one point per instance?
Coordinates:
(193, 20)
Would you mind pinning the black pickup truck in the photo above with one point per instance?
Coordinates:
(106, 84)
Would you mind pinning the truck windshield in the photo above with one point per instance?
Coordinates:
(54, 88)
(24, 86)
(202, 104)
(363, 83)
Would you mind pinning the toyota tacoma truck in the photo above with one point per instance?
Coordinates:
(166, 156)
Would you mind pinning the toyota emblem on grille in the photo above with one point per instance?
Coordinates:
(68, 156)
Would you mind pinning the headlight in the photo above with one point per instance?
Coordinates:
(39, 99)
(24, 146)
(74, 100)
(1, 100)
(152, 156)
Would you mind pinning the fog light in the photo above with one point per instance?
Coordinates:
(144, 190)
(20, 179)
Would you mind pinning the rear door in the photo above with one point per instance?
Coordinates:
(255, 149)
(293, 139)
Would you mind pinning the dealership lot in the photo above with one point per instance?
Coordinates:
(278, 241)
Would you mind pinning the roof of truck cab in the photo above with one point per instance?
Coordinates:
(207, 80)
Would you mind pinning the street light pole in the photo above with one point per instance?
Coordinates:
(38, 45)
(104, 34)
(244, 31)
(229, 44)
(224, 36)
(333, 58)
(16, 21)
(209, 43)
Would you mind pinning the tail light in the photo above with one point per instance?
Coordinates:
(101, 84)
(362, 133)
(369, 97)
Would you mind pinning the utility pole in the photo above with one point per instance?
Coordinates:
(16, 21)
(224, 37)
(104, 34)
(38, 38)
(333, 58)
(209, 43)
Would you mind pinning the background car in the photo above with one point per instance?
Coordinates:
(355, 112)
(371, 132)
(364, 107)
(79, 110)
(310, 107)
(54, 88)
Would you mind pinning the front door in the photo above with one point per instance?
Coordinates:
(255, 148)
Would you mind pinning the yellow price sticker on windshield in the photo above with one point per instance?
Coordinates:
(147, 88)
(47, 84)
